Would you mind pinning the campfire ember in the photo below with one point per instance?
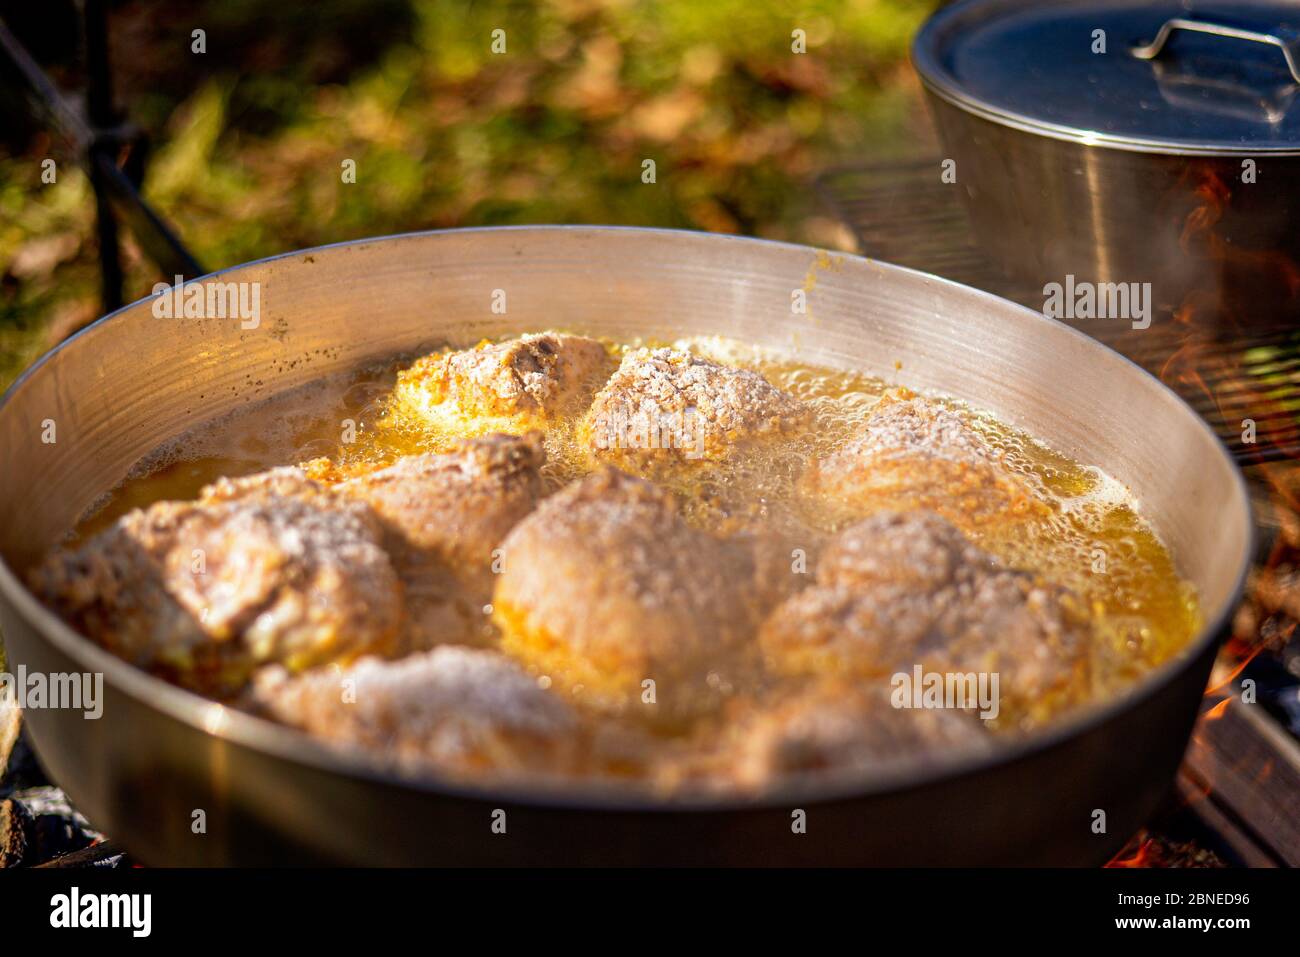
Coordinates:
(1160, 851)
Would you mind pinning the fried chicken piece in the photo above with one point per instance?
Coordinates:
(837, 727)
(510, 386)
(899, 590)
(444, 517)
(605, 587)
(664, 407)
(268, 568)
(916, 453)
(462, 711)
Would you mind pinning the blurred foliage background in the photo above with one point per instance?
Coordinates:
(250, 136)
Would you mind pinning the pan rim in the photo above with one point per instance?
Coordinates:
(241, 729)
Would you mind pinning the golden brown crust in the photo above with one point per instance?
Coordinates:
(445, 516)
(838, 727)
(509, 386)
(606, 587)
(895, 591)
(918, 454)
(457, 710)
(665, 407)
(267, 568)
(276, 567)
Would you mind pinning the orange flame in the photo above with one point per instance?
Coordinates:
(1144, 856)
(1215, 713)
(1232, 675)
(1200, 358)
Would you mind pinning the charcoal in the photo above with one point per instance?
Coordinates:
(56, 827)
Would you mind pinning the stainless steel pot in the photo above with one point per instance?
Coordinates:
(269, 794)
(1123, 141)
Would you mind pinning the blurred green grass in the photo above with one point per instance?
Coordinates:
(444, 132)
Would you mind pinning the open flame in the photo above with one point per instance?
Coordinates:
(1206, 361)
(1205, 325)
(1150, 850)
(1144, 856)
(1207, 357)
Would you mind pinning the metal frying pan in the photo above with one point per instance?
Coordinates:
(158, 754)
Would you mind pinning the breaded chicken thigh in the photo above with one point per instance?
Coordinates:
(899, 590)
(511, 386)
(839, 727)
(917, 454)
(445, 516)
(664, 407)
(605, 587)
(267, 568)
(458, 710)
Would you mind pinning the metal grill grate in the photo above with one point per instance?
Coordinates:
(902, 212)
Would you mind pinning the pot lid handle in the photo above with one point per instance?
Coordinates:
(1153, 49)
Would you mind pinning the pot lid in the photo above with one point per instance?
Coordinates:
(1155, 75)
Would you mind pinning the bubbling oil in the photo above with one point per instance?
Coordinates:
(1094, 541)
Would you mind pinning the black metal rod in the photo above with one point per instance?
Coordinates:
(44, 95)
(103, 118)
(96, 139)
(110, 255)
(100, 108)
(153, 233)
